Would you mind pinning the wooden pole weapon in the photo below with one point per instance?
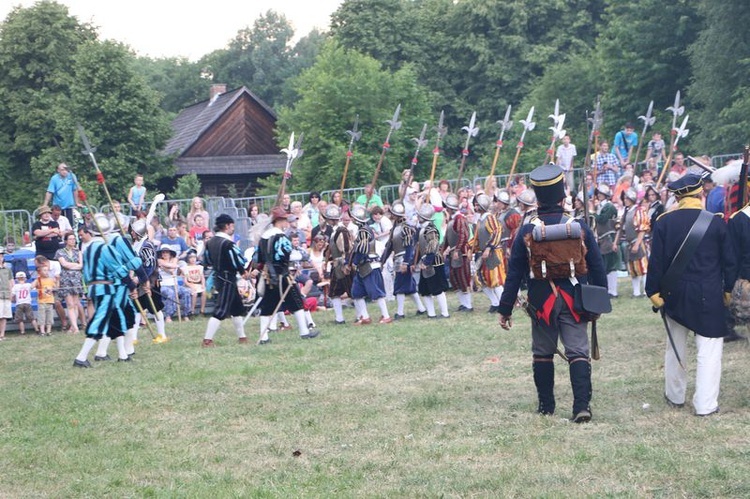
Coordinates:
(89, 151)
(471, 131)
(677, 110)
(677, 134)
(441, 130)
(596, 123)
(354, 136)
(505, 125)
(395, 125)
(648, 121)
(292, 152)
(558, 121)
(528, 125)
(421, 142)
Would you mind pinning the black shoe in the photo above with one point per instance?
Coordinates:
(461, 308)
(398, 317)
(312, 334)
(264, 342)
(340, 323)
(583, 416)
(126, 359)
(673, 405)
(733, 336)
(100, 358)
(421, 313)
(493, 309)
(80, 363)
(466, 309)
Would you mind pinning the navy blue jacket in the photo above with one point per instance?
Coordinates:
(697, 300)
(540, 289)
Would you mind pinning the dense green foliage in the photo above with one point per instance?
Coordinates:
(341, 85)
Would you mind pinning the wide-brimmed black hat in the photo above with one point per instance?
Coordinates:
(224, 219)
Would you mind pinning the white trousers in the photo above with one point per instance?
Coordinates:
(707, 370)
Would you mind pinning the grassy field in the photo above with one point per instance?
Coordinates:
(417, 408)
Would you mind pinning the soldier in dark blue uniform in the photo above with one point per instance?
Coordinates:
(695, 299)
(550, 301)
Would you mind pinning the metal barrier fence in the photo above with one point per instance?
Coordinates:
(350, 194)
(721, 160)
(15, 224)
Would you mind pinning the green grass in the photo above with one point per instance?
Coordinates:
(417, 408)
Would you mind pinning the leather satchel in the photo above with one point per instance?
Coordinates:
(591, 301)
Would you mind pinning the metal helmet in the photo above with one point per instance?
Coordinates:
(451, 202)
(604, 190)
(139, 227)
(630, 194)
(426, 212)
(483, 201)
(333, 212)
(502, 196)
(101, 225)
(527, 198)
(398, 209)
(359, 213)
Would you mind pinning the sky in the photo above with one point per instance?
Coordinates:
(192, 29)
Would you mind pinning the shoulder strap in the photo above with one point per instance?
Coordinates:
(686, 251)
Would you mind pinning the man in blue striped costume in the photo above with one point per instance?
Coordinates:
(274, 282)
(227, 260)
(106, 271)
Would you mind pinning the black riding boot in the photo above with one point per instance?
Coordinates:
(580, 380)
(544, 379)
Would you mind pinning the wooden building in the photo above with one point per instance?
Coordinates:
(228, 141)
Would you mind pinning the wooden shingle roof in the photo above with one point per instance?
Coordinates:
(193, 121)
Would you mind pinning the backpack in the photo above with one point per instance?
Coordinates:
(556, 251)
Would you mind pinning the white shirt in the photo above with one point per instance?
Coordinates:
(565, 156)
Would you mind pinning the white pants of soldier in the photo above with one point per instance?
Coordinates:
(612, 283)
(707, 369)
(465, 299)
(638, 282)
(301, 316)
(213, 326)
(361, 308)
(442, 300)
(401, 300)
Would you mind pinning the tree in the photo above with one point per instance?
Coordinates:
(180, 83)
(720, 91)
(339, 86)
(121, 117)
(188, 186)
(257, 57)
(37, 49)
(644, 57)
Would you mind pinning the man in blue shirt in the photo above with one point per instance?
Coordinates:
(63, 191)
(174, 239)
(625, 141)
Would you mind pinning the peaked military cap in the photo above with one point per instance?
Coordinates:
(688, 185)
(547, 181)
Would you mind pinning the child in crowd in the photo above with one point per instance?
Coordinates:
(137, 194)
(195, 236)
(22, 299)
(6, 290)
(195, 280)
(45, 288)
